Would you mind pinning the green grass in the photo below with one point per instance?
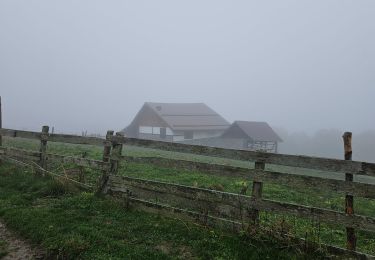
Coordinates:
(302, 195)
(330, 234)
(71, 224)
(3, 250)
(316, 231)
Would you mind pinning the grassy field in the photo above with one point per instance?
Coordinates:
(71, 224)
(309, 228)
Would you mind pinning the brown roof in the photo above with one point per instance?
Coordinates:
(257, 131)
(189, 116)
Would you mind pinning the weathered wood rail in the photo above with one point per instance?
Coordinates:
(214, 202)
(63, 138)
(293, 180)
(35, 157)
(42, 158)
(316, 163)
(203, 204)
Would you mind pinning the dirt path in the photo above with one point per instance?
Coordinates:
(17, 248)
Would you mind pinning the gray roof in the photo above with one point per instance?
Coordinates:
(258, 131)
(189, 116)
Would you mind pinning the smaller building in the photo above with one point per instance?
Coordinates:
(255, 136)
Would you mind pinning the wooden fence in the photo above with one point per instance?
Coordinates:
(211, 206)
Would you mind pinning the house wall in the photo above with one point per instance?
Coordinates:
(263, 146)
(229, 143)
(153, 130)
(153, 133)
(145, 117)
(197, 134)
(178, 138)
(168, 138)
(207, 134)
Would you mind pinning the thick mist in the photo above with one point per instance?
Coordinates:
(302, 66)
(327, 143)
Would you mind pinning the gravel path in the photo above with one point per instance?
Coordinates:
(18, 248)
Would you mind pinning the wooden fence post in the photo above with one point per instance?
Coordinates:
(81, 176)
(106, 157)
(256, 193)
(107, 146)
(116, 154)
(351, 239)
(43, 147)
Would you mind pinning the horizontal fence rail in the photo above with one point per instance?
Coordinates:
(84, 162)
(316, 163)
(239, 206)
(35, 156)
(20, 153)
(299, 181)
(72, 139)
(323, 164)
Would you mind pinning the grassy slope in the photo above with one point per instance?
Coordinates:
(319, 198)
(73, 224)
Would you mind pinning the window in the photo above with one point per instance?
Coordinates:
(163, 132)
(156, 130)
(188, 135)
(145, 129)
(169, 131)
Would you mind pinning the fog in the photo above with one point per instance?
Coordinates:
(301, 66)
(327, 143)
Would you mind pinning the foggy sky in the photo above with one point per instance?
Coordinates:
(90, 65)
